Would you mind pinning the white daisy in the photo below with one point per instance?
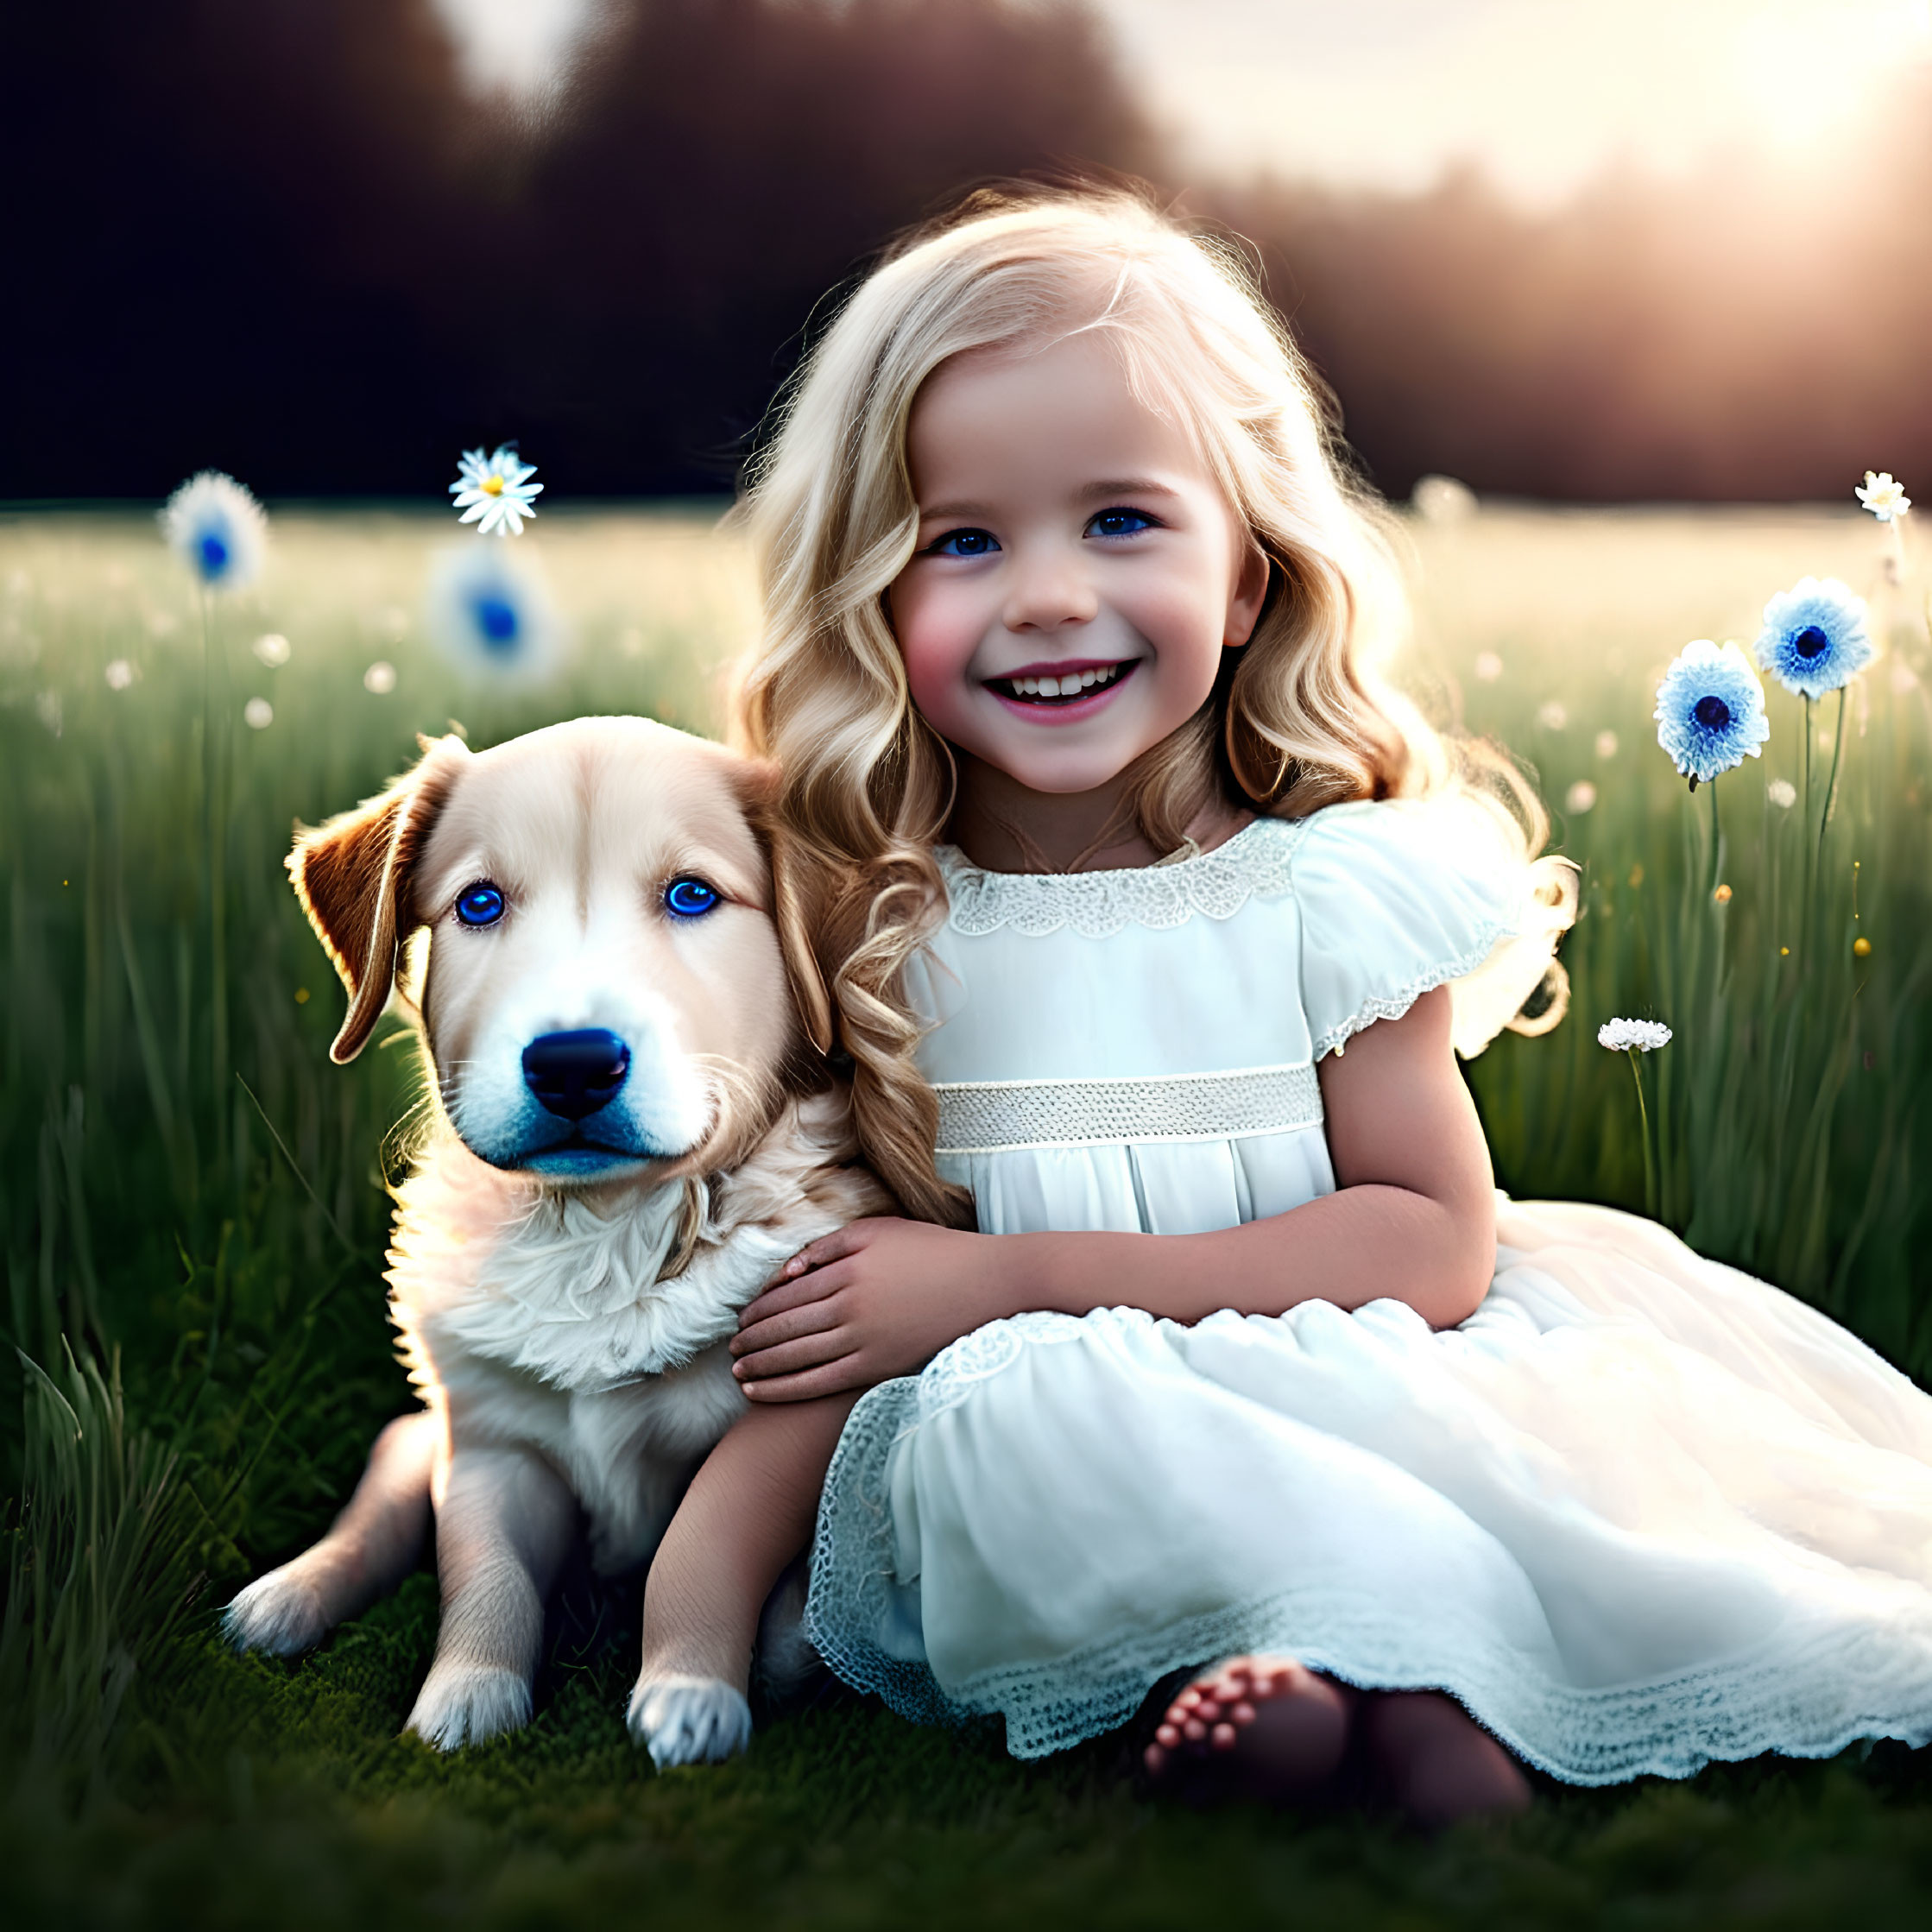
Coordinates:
(216, 529)
(494, 491)
(1645, 1035)
(1883, 494)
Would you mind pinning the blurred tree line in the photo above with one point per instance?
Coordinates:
(277, 235)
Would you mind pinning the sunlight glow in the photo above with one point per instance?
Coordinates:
(1809, 70)
(1541, 94)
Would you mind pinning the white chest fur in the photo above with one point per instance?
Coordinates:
(541, 1319)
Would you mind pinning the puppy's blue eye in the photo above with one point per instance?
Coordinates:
(479, 904)
(689, 899)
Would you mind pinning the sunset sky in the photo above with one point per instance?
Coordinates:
(1540, 94)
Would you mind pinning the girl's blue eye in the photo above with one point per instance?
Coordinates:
(965, 543)
(1121, 523)
(689, 899)
(481, 904)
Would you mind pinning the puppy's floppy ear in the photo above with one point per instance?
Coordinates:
(353, 878)
(795, 897)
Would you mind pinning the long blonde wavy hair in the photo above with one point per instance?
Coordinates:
(1299, 718)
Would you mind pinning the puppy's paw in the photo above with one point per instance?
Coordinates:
(282, 1614)
(467, 1703)
(689, 1721)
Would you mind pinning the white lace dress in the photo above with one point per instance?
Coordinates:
(1638, 1512)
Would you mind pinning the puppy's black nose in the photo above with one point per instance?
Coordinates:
(575, 1074)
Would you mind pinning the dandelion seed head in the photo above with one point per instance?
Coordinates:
(271, 649)
(1710, 710)
(1580, 797)
(1816, 636)
(1553, 715)
(1782, 793)
(1607, 744)
(1488, 667)
(1645, 1036)
(1883, 494)
(216, 528)
(119, 674)
(1443, 500)
(258, 714)
(380, 677)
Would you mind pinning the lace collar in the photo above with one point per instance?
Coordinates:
(1257, 862)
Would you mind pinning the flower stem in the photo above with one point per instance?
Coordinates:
(1717, 848)
(1644, 1122)
(214, 870)
(1805, 837)
(1831, 785)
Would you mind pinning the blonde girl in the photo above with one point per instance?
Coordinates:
(1153, 922)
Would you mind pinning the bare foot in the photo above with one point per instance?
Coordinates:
(1435, 1761)
(1262, 1727)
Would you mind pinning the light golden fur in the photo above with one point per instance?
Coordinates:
(1300, 716)
(566, 1334)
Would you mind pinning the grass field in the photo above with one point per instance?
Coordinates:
(192, 1215)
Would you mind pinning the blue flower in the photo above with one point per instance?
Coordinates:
(490, 616)
(216, 528)
(1814, 638)
(1710, 710)
(494, 491)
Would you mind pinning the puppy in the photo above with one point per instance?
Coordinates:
(601, 939)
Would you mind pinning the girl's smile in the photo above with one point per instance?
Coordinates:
(1062, 692)
(1078, 572)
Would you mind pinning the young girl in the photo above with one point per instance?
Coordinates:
(1232, 1376)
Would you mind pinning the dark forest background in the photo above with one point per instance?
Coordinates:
(278, 237)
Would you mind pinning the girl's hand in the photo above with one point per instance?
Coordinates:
(879, 1298)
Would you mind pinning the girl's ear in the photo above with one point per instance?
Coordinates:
(1249, 594)
(796, 897)
(353, 876)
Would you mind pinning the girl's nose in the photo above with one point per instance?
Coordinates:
(1046, 591)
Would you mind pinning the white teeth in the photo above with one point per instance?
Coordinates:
(1068, 685)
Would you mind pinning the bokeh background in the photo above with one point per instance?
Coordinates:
(1651, 278)
(1666, 249)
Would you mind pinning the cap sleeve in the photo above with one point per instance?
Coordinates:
(1399, 898)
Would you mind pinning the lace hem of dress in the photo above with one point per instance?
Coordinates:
(993, 1116)
(1805, 1698)
(1257, 862)
(1392, 1006)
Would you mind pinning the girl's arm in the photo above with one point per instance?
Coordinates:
(1412, 1218)
(747, 1512)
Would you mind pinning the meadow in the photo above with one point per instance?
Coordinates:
(192, 1212)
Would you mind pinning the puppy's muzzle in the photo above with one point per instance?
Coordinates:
(576, 1074)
